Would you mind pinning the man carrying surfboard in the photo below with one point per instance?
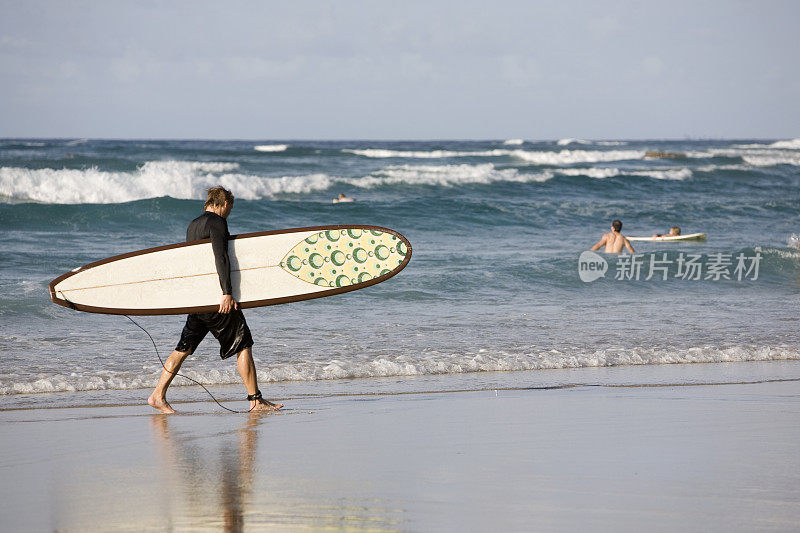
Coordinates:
(614, 241)
(227, 324)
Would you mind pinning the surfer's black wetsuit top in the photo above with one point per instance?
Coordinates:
(211, 225)
(230, 329)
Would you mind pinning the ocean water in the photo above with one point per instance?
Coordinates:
(497, 229)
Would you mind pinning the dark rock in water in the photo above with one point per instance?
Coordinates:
(657, 154)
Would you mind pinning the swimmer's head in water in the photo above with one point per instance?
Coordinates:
(674, 231)
(617, 225)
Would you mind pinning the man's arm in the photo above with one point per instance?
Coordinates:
(219, 244)
(600, 244)
(628, 245)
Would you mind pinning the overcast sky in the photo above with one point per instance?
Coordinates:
(400, 70)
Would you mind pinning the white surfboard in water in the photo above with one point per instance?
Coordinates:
(688, 237)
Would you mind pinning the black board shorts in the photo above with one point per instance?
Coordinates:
(230, 329)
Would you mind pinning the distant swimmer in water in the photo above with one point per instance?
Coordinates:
(342, 199)
(674, 231)
(614, 241)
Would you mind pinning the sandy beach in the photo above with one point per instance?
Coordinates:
(566, 454)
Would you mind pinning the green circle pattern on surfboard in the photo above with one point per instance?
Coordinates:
(338, 258)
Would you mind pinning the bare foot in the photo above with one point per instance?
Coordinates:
(160, 404)
(264, 405)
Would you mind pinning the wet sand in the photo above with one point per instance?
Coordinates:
(663, 458)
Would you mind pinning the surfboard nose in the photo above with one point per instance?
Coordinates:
(346, 256)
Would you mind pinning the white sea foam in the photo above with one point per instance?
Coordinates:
(513, 142)
(792, 144)
(271, 147)
(567, 157)
(755, 155)
(178, 179)
(563, 157)
(594, 172)
(600, 173)
(444, 175)
(190, 179)
(431, 154)
(250, 187)
(610, 143)
(429, 363)
(713, 168)
(76, 142)
(787, 158)
(567, 142)
(670, 174)
(750, 146)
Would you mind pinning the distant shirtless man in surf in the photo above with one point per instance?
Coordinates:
(614, 241)
(227, 324)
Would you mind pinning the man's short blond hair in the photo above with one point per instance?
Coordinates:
(217, 196)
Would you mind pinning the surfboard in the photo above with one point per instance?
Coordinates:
(267, 268)
(688, 237)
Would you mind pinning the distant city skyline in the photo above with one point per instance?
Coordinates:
(399, 71)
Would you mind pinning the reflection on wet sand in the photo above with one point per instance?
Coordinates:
(198, 469)
(187, 467)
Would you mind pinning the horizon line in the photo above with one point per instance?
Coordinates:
(441, 139)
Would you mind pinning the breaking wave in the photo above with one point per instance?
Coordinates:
(432, 363)
(189, 180)
(271, 147)
(563, 157)
(428, 154)
(567, 142)
(793, 144)
(445, 175)
(754, 154)
(178, 179)
(769, 160)
(600, 173)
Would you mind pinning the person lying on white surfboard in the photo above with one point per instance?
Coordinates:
(227, 324)
(614, 241)
(342, 198)
(674, 231)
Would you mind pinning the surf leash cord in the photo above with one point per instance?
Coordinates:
(258, 393)
(255, 397)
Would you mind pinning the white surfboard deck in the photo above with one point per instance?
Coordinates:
(688, 237)
(267, 268)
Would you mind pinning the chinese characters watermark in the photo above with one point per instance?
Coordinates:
(692, 267)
